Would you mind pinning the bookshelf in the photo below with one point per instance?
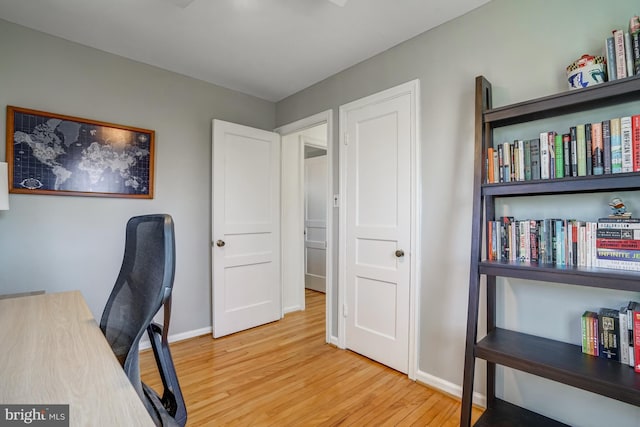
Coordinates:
(554, 360)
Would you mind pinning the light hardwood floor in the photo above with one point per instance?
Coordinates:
(284, 374)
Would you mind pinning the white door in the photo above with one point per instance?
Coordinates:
(376, 166)
(315, 222)
(245, 227)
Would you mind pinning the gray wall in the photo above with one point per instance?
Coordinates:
(522, 47)
(59, 243)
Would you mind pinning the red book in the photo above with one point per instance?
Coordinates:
(618, 244)
(636, 335)
(635, 141)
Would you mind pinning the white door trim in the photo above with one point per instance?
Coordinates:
(413, 89)
(297, 126)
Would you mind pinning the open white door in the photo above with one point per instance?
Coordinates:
(378, 179)
(315, 222)
(245, 227)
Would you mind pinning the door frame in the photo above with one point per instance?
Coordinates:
(413, 89)
(297, 126)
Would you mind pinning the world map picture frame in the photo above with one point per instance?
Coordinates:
(55, 154)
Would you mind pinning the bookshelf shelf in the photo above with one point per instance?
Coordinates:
(554, 360)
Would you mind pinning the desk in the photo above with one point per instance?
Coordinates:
(53, 352)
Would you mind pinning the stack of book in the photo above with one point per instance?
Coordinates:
(600, 148)
(618, 243)
(613, 334)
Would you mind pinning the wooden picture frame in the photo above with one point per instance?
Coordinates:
(55, 154)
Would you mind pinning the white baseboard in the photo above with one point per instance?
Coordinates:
(292, 309)
(145, 343)
(448, 387)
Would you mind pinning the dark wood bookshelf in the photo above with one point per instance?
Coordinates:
(561, 362)
(505, 414)
(554, 360)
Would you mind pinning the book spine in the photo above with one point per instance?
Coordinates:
(624, 336)
(635, 42)
(636, 336)
(621, 62)
(628, 54)
(527, 160)
(585, 332)
(609, 330)
(632, 357)
(595, 347)
(490, 175)
(635, 141)
(521, 169)
(616, 146)
(628, 255)
(626, 144)
(589, 148)
(618, 264)
(559, 156)
(551, 140)
(544, 155)
(597, 148)
(506, 162)
(606, 243)
(606, 146)
(618, 233)
(566, 153)
(610, 50)
(535, 158)
(534, 250)
(581, 145)
(573, 133)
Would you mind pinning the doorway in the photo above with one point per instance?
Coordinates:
(315, 134)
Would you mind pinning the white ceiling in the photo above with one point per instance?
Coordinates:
(267, 48)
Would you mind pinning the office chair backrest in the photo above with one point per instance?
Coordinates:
(143, 285)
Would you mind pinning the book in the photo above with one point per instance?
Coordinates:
(635, 47)
(626, 144)
(535, 158)
(628, 54)
(586, 335)
(597, 148)
(527, 160)
(609, 222)
(589, 148)
(628, 255)
(606, 146)
(635, 141)
(621, 62)
(618, 233)
(608, 333)
(616, 146)
(544, 155)
(610, 53)
(593, 332)
(573, 147)
(581, 156)
(559, 156)
(566, 154)
(551, 138)
(490, 171)
(635, 313)
(623, 336)
(534, 250)
(615, 264)
(521, 163)
(506, 162)
(607, 243)
(630, 338)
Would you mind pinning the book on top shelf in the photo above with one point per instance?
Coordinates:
(610, 53)
(621, 62)
(581, 147)
(635, 141)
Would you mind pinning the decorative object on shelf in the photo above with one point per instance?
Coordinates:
(62, 155)
(587, 71)
(4, 187)
(618, 209)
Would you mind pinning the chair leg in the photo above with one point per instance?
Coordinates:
(172, 396)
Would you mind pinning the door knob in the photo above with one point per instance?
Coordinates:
(399, 253)
(220, 243)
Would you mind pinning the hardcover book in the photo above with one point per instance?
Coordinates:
(635, 141)
(581, 144)
(616, 146)
(589, 148)
(608, 332)
(626, 144)
(606, 146)
(559, 155)
(597, 148)
(535, 158)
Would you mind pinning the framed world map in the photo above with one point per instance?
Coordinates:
(62, 155)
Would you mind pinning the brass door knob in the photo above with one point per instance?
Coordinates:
(399, 253)
(220, 243)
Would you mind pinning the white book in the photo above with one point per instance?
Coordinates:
(521, 157)
(624, 337)
(626, 144)
(618, 264)
(628, 54)
(621, 62)
(544, 155)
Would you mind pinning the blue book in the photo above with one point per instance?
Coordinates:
(611, 59)
(616, 146)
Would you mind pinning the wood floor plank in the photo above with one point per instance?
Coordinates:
(284, 374)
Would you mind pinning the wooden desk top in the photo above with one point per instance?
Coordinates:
(53, 352)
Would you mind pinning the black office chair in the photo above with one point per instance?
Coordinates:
(143, 286)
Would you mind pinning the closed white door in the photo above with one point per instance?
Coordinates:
(315, 222)
(376, 168)
(245, 227)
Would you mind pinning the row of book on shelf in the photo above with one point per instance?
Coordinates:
(607, 243)
(613, 334)
(600, 148)
(622, 51)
